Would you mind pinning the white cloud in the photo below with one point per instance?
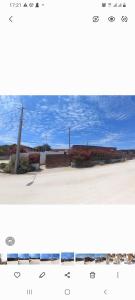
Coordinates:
(111, 137)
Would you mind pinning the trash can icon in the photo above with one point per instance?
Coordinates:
(92, 275)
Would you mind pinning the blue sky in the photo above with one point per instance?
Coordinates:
(67, 255)
(50, 256)
(94, 120)
(34, 256)
(12, 255)
(23, 256)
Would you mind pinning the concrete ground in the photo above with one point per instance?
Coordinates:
(108, 184)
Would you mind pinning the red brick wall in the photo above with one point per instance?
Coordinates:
(57, 160)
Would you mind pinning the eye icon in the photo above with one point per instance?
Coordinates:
(95, 19)
(111, 19)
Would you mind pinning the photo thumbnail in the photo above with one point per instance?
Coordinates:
(34, 258)
(108, 259)
(90, 258)
(82, 146)
(3, 259)
(23, 258)
(67, 258)
(50, 258)
(12, 258)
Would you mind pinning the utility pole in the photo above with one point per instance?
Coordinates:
(19, 141)
(45, 143)
(69, 137)
(45, 148)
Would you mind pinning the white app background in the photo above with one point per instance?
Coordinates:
(58, 49)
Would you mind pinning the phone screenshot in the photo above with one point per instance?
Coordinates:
(67, 149)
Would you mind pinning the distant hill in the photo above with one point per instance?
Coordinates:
(43, 148)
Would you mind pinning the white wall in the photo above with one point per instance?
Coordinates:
(42, 158)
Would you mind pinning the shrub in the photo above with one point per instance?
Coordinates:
(9, 168)
(24, 166)
(3, 165)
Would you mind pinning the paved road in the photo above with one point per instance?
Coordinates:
(109, 184)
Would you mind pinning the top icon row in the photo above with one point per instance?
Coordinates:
(105, 4)
(110, 19)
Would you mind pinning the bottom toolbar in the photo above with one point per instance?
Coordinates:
(74, 282)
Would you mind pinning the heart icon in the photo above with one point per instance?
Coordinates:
(17, 274)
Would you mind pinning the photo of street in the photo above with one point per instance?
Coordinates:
(67, 149)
